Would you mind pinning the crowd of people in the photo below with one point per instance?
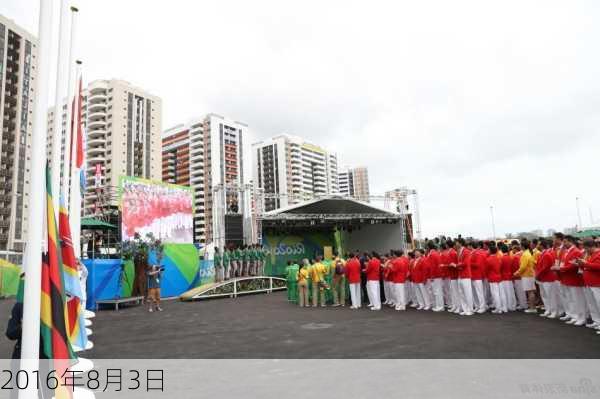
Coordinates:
(242, 261)
(559, 275)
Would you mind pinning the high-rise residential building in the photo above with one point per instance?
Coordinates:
(206, 153)
(354, 182)
(122, 137)
(290, 170)
(18, 51)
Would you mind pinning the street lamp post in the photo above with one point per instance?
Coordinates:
(493, 223)
(579, 225)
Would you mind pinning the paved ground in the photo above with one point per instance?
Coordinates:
(266, 326)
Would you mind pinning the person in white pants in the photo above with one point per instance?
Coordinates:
(492, 268)
(372, 271)
(547, 279)
(591, 279)
(464, 277)
(573, 280)
(437, 290)
(400, 268)
(352, 271)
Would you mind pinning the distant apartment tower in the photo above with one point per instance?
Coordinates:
(18, 51)
(354, 182)
(290, 170)
(205, 153)
(123, 138)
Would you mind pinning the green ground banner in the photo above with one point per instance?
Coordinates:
(282, 248)
(9, 278)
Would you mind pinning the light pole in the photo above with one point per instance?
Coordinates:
(493, 223)
(579, 225)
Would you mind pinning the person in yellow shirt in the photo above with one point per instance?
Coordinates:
(527, 273)
(302, 282)
(317, 273)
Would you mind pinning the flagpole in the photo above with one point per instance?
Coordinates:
(75, 198)
(62, 73)
(33, 250)
(66, 169)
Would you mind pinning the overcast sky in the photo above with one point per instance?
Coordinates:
(473, 103)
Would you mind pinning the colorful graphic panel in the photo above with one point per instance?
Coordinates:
(165, 210)
(282, 248)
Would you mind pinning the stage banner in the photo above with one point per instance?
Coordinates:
(182, 269)
(165, 210)
(282, 248)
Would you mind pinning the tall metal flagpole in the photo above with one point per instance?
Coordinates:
(62, 74)
(33, 251)
(75, 198)
(66, 169)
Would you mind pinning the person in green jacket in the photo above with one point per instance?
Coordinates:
(245, 261)
(218, 263)
(291, 272)
(227, 263)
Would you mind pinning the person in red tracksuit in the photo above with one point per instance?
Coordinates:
(444, 260)
(400, 267)
(453, 273)
(494, 277)
(591, 279)
(464, 277)
(353, 277)
(573, 281)
(373, 273)
(388, 280)
(435, 271)
(478, 260)
(419, 278)
(547, 279)
(507, 292)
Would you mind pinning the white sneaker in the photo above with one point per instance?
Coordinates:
(571, 321)
(565, 318)
(530, 311)
(592, 325)
(400, 308)
(438, 309)
(481, 311)
(466, 313)
(579, 323)
(375, 308)
(552, 316)
(496, 311)
(545, 314)
(598, 332)
(427, 308)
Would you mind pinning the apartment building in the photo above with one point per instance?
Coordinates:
(354, 182)
(18, 51)
(123, 126)
(206, 153)
(291, 170)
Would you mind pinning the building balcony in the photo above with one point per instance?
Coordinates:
(97, 98)
(96, 124)
(96, 141)
(97, 107)
(93, 116)
(96, 159)
(91, 151)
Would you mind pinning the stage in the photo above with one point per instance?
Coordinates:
(266, 326)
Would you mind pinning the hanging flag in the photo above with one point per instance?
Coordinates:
(75, 320)
(53, 326)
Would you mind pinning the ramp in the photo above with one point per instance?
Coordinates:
(235, 287)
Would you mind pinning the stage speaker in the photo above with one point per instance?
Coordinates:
(234, 230)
